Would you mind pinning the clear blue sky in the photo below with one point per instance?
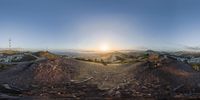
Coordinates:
(84, 24)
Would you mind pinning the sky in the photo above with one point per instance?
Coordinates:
(119, 24)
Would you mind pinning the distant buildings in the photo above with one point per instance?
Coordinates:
(194, 60)
(11, 58)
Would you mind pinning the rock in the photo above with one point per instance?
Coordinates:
(149, 94)
(7, 97)
(6, 86)
(118, 94)
(34, 86)
(144, 87)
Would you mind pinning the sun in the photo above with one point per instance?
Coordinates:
(104, 47)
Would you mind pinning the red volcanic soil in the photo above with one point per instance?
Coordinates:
(55, 71)
(44, 72)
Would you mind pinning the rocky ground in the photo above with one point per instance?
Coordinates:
(153, 77)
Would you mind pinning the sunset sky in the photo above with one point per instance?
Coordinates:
(100, 24)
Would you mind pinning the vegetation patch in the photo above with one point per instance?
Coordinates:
(9, 52)
(3, 67)
(95, 61)
(196, 67)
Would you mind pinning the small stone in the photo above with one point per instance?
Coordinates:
(149, 94)
(6, 86)
(118, 94)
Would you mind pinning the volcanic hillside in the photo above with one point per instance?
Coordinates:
(153, 75)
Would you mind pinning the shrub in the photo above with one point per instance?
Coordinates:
(196, 67)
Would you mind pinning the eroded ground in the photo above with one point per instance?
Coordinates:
(152, 77)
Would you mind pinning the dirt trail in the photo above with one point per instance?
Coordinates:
(108, 76)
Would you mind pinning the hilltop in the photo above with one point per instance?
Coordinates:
(144, 75)
(46, 54)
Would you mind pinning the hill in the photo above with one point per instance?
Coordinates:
(155, 76)
(46, 54)
(9, 52)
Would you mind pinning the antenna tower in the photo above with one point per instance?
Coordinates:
(10, 45)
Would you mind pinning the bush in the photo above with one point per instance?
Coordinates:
(2, 67)
(196, 67)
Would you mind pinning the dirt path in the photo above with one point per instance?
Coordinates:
(108, 76)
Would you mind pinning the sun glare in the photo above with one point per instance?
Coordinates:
(104, 47)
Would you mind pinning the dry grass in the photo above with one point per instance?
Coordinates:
(47, 55)
(9, 52)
